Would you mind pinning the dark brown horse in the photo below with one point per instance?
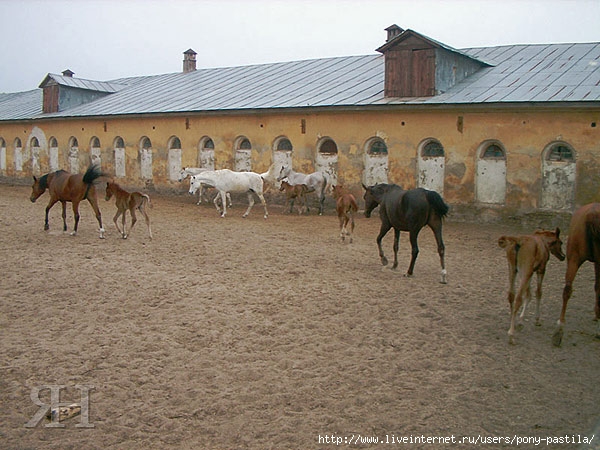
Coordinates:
(583, 245)
(65, 187)
(407, 211)
(131, 201)
(346, 207)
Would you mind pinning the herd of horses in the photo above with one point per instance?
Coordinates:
(403, 210)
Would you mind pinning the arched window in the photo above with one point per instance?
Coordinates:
(95, 143)
(244, 144)
(208, 144)
(119, 143)
(377, 147)
(35, 142)
(53, 142)
(175, 143)
(284, 145)
(146, 143)
(328, 146)
(432, 149)
(493, 151)
(73, 142)
(560, 152)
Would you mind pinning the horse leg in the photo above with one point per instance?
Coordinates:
(142, 209)
(437, 232)
(133, 219)
(223, 196)
(76, 216)
(351, 226)
(385, 227)
(573, 265)
(117, 223)
(48, 207)
(216, 202)
(341, 219)
(523, 288)
(396, 247)
(264, 203)
(538, 298)
(321, 203)
(94, 202)
(250, 204)
(228, 195)
(414, 252)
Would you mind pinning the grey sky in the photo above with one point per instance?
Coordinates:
(108, 39)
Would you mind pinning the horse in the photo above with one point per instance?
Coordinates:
(345, 206)
(583, 245)
(315, 182)
(225, 180)
(528, 255)
(293, 192)
(407, 211)
(65, 187)
(189, 171)
(131, 201)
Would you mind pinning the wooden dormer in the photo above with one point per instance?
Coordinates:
(417, 66)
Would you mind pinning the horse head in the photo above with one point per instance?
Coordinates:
(283, 173)
(182, 175)
(372, 198)
(554, 243)
(39, 187)
(110, 186)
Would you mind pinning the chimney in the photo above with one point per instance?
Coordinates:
(68, 73)
(393, 31)
(189, 61)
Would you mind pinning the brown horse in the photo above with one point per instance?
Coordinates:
(528, 255)
(583, 245)
(65, 187)
(293, 192)
(407, 211)
(346, 206)
(128, 201)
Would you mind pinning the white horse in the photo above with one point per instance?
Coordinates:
(225, 181)
(189, 171)
(315, 182)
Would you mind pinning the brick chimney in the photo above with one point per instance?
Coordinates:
(189, 61)
(392, 32)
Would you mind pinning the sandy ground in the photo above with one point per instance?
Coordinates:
(251, 333)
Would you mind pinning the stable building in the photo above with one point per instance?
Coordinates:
(504, 131)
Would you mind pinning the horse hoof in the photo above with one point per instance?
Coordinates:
(557, 338)
(384, 261)
(73, 233)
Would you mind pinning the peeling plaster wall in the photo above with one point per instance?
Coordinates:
(524, 133)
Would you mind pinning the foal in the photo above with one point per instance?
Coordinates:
(528, 254)
(345, 205)
(128, 201)
(295, 191)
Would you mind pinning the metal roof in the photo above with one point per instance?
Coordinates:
(81, 83)
(545, 73)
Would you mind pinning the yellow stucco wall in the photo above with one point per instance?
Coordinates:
(523, 133)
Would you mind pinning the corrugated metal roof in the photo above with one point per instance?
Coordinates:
(519, 74)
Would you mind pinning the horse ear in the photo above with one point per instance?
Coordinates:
(557, 232)
(34, 179)
(364, 187)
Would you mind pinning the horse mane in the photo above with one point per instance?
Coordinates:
(43, 181)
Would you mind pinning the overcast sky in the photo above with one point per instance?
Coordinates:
(104, 40)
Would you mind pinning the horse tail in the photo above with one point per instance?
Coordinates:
(353, 204)
(146, 198)
(92, 173)
(437, 203)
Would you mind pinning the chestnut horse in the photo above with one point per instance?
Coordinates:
(295, 191)
(65, 187)
(407, 211)
(527, 255)
(583, 245)
(128, 201)
(346, 206)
